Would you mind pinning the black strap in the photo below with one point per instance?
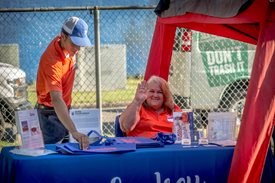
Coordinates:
(43, 107)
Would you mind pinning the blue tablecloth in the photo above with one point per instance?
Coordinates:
(154, 165)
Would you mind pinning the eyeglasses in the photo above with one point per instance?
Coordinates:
(165, 138)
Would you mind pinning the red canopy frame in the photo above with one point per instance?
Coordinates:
(255, 25)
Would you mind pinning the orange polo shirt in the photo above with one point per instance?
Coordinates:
(152, 122)
(56, 72)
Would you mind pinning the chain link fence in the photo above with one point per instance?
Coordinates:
(210, 74)
(124, 41)
(207, 73)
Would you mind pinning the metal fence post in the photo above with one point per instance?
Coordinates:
(97, 58)
(97, 62)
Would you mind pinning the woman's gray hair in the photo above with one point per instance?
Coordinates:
(168, 98)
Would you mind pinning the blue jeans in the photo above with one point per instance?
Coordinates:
(52, 128)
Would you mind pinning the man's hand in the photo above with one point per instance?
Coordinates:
(63, 115)
(82, 139)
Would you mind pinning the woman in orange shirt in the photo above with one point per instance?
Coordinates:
(151, 111)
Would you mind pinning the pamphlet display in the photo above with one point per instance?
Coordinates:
(29, 134)
(86, 120)
(221, 128)
(182, 127)
(28, 127)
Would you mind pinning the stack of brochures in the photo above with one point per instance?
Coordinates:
(141, 142)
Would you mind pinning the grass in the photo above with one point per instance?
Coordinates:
(109, 98)
(4, 144)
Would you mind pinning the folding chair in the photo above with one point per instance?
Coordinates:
(118, 131)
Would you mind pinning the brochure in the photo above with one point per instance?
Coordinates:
(177, 126)
(28, 127)
(86, 120)
(183, 125)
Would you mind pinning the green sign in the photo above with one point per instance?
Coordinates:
(224, 60)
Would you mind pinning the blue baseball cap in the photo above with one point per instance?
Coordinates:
(77, 29)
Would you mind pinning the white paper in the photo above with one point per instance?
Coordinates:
(27, 123)
(85, 120)
(32, 152)
(221, 127)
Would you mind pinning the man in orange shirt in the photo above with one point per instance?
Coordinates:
(54, 82)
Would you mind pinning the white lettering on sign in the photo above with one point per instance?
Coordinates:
(180, 180)
(220, 63)
(167, 180)
(116, 180)
(239, 56)
(240, 66)
(222, 69)
(218, 57)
